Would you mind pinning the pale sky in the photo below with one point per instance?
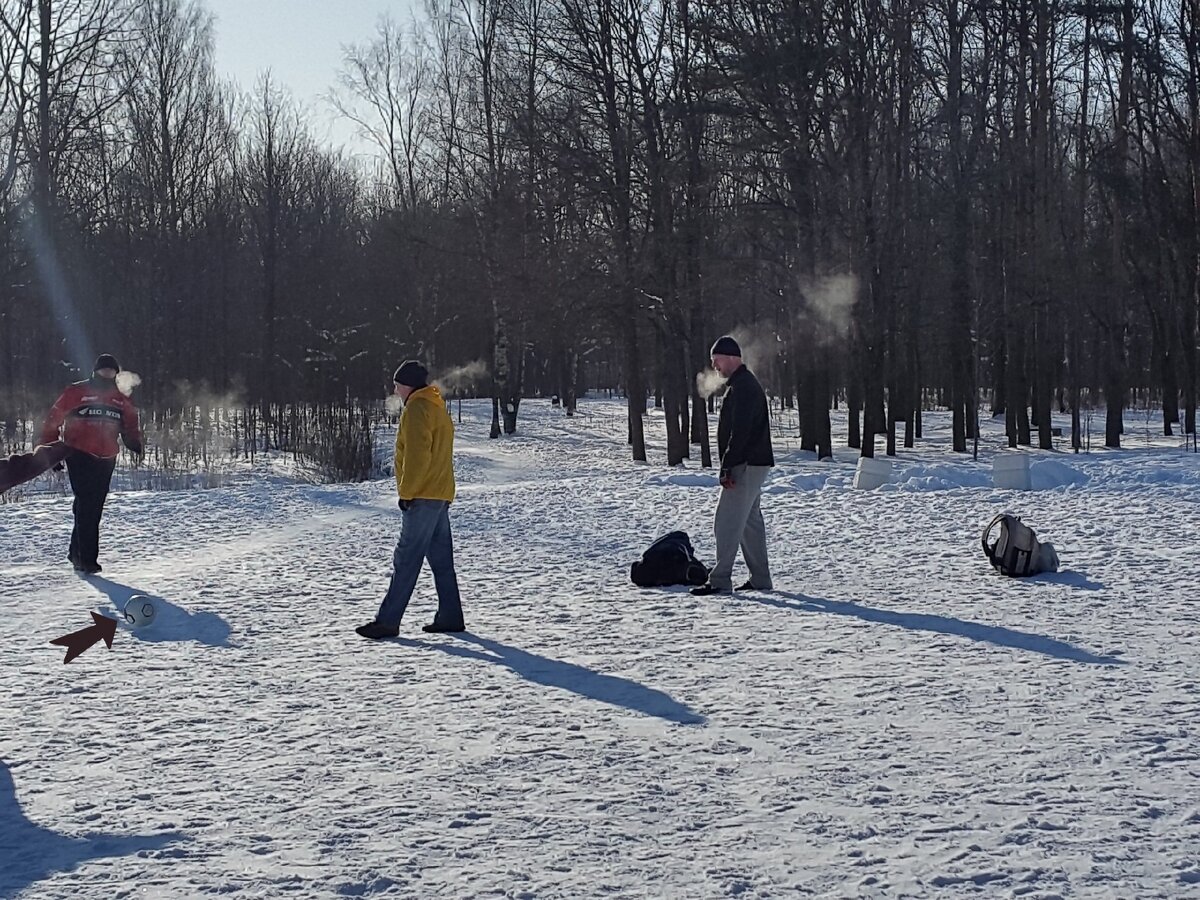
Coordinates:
(301, 42)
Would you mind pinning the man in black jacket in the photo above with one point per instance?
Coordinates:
(744, 443)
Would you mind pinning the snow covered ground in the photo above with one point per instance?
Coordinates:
(895, 720)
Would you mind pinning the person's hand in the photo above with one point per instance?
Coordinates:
(402, 503)
(59, 466)
(726, 479)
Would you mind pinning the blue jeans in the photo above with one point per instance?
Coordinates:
(424, 534)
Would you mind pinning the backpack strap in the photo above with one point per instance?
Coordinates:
(990, 550)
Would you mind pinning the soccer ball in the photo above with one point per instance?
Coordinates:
(139, 610)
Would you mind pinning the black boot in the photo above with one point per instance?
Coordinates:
(439, 628)
(704, 590)
(377, 630)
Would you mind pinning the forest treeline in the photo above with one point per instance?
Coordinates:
(889, 202)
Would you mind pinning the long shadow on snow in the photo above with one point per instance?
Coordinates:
(32, 853)
(989, 634)
(581, 680)
(171, 622)
(1069, 578)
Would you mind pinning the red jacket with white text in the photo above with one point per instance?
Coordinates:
(91, 415)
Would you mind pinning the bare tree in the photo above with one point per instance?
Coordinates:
(1115, 325)
(595, 54)
(1189, 32)
(391, 77)
(269, 166)
(177, 123)
(58, 86)
(483, 23)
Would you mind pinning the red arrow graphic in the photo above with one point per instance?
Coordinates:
(78, 641)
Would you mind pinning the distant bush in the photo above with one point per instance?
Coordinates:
(336, 439)
(331, 442)
(205, 446)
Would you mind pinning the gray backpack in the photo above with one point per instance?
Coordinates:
(1016, 550)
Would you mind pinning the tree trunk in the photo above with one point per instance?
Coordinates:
(1190, 27)
(853, 405)
(1118, 284)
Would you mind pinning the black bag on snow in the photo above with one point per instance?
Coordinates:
(1016, 550)
(669, 560)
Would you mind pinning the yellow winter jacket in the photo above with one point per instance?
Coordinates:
(425, 448)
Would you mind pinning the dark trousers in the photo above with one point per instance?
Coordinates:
(90, 477)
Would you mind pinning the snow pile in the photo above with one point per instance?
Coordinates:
(780, 484)
(1049, 474)
(688, 479)
(939, 478)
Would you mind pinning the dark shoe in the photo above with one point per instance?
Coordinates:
(703, 590)
(377, 631)
(749, 586)
(439, 628)
(88, 568)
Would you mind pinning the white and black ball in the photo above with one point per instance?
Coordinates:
(139, 610)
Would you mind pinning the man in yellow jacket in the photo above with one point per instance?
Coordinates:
(425, 483)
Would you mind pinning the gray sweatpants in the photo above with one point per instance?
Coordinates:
(739, 521)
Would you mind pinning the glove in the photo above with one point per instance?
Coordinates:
(59, 466)
(403, 504)
(726, 478)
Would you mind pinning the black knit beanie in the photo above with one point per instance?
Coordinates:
(411, 374)
(725, 346)
(106, 361)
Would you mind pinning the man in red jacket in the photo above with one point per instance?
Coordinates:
(91, 415)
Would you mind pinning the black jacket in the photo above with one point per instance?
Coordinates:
(744, 430)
